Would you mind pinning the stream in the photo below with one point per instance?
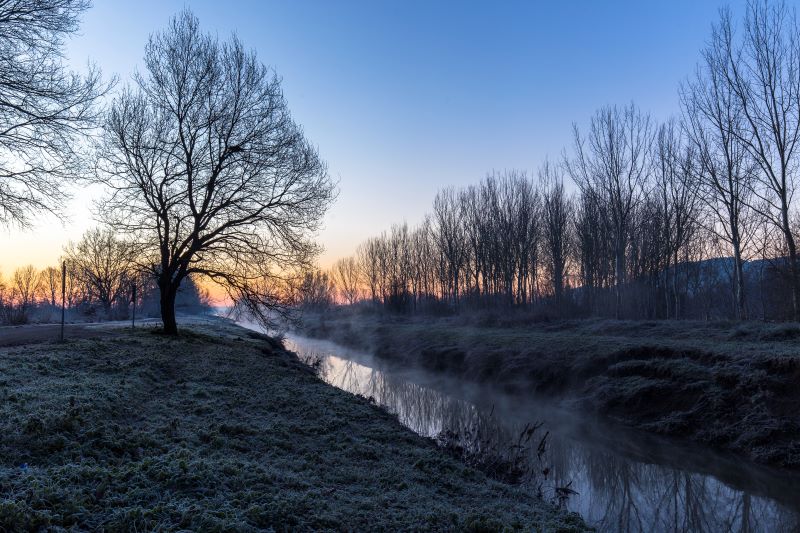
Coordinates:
(623, 480)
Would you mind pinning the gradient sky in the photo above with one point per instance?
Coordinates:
(405, 97)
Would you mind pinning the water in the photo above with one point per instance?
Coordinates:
(625, 480)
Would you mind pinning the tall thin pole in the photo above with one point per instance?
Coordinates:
(63, 295)
(133, 318)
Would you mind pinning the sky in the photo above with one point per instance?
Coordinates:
(403, 98)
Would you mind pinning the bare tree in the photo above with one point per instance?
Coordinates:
(348, 279)
(763, 74)
(368, 264)
(714, 120)
(75, 290)
(24, 286)
(556, 227)
(448, 215)
(676, 187)
(6, 303)
(612, 162)
(102, 264)
(424, 261)
(45, 110)
(399, 267)
(474, 227)
(594, 256)
(210, 176)
(316, 292)
(665, 218)
(525, 204)
(50, 284)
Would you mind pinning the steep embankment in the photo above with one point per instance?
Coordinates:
(220, 430)
(734, 387)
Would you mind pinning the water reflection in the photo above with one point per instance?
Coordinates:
(625, 481)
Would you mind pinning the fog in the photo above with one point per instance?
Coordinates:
(624, 480)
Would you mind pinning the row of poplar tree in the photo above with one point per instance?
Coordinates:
(692, 217)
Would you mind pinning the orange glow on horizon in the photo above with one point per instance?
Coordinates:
(216, 294)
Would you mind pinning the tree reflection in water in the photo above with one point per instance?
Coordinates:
(622, 484)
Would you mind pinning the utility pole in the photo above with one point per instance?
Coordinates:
(63, 295)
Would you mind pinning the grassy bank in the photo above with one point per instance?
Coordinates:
(731, 386)
(217, 430)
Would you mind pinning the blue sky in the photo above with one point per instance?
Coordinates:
(403, 98)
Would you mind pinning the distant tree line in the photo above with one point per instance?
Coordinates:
(100, 278)
(690, 218)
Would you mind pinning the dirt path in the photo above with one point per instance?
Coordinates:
(37, 333)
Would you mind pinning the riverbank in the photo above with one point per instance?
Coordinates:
(221, 429)
(729, 386)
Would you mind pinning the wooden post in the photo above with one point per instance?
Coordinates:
(133, 316)
(63, 296)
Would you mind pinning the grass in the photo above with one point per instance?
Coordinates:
(731, 386)
(218, 431)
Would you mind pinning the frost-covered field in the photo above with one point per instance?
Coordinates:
(218, 430)
(732, 386)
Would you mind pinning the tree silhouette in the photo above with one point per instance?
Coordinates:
(209, 175)
(45, 110)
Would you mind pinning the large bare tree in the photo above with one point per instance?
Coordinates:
(45, 109)
(208, 172)
(713, 121)
(762, 71)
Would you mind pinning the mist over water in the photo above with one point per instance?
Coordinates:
(625, 480)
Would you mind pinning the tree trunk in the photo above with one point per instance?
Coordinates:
(791, 246)
(558, 289)
(168, 294)
(675, 293)
(666, 286)
(620, 281)
(739, 289)
(793, 266)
